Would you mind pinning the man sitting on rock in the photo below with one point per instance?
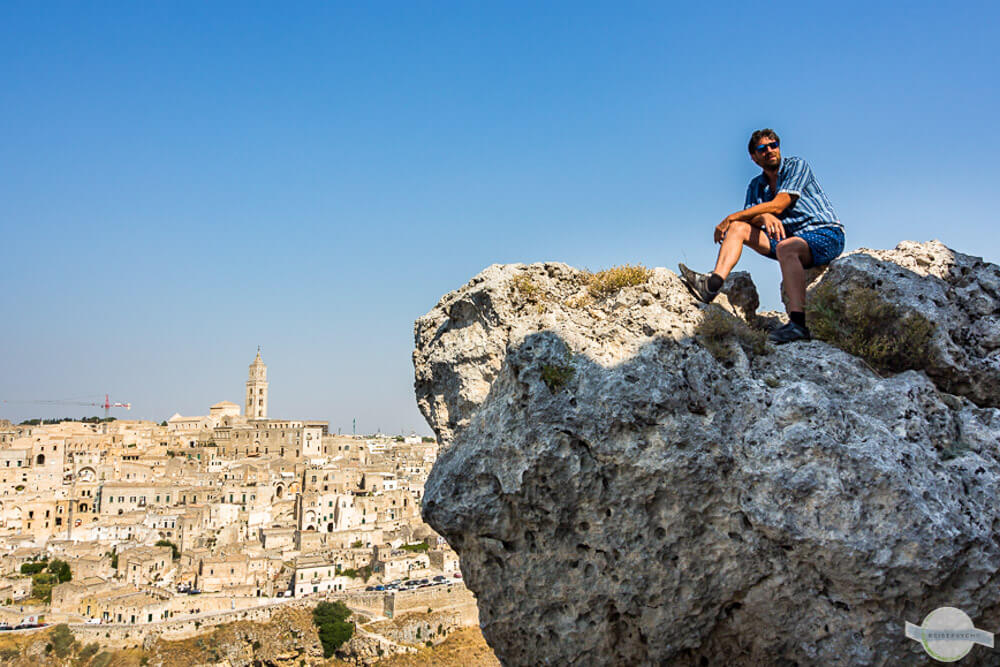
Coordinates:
(787, 217)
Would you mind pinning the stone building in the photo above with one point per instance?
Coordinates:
(15, 587)
(316, 574)
(144, 565)
(392, 563)
(256, 397)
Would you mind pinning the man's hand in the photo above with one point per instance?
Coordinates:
(774, 228)
(722, 228)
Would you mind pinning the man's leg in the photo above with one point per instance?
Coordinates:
(705, 287)
(740, 234)
(794, 256)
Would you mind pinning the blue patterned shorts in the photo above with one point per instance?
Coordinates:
(825, 244)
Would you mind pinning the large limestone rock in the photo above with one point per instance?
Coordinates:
(619, 496)
(959, 293)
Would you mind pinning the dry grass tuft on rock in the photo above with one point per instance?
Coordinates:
(606, 283)
(860, 322)
(526, 287)
(555, 376)
(719, 329)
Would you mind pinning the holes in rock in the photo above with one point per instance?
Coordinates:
(583, 526)
(660, 533)
(613, 615)
(731, 607)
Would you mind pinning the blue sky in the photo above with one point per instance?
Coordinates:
(180, 182)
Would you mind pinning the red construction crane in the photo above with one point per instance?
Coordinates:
(107, 404)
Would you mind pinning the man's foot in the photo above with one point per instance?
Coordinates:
(788, 333)
(697, 284)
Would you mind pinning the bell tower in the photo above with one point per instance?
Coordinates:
(257, 389)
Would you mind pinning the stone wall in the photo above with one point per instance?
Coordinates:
(130, 636)
(123, 635)
(420, 627)
(436, 598)
(372, 602)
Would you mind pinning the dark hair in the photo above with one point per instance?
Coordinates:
(760, 134)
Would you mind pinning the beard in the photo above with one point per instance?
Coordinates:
(771, 161)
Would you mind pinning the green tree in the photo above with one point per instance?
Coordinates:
(33, 568)
(60, 568)
(173, 548)
(334, 630)
(62, 640)
(41, 586)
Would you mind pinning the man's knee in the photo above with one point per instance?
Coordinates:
(791, 247)
(740, 229)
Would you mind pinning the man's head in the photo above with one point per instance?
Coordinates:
(765, 148)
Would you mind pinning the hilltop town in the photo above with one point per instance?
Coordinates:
(198, 520)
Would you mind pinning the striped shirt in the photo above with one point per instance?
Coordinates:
(812, 208)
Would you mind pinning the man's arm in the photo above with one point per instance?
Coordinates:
(776, 206)
(781, 201)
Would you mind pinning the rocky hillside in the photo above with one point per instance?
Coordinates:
(631, 477)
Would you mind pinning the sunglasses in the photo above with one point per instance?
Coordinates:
(763, 147)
